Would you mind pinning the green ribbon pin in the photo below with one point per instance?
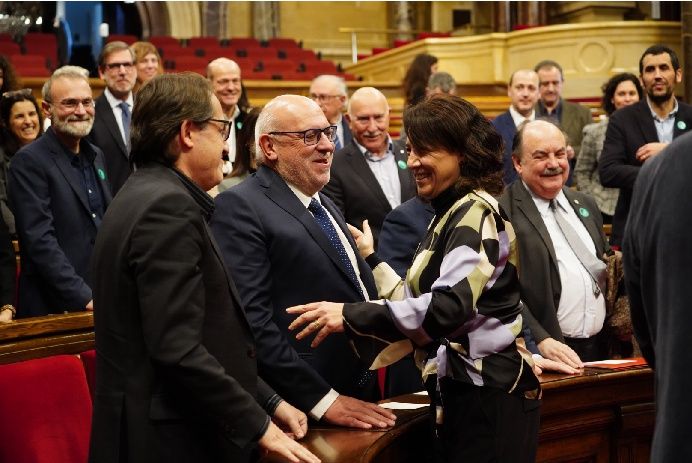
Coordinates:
(102, 174)
(401, 164)
(682, 125)
(584, 212)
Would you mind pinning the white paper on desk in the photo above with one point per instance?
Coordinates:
(421, 393)
(402, 406)
(609, 362)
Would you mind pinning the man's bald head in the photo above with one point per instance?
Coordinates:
(224, 75)
(331, 94)
(368, 113)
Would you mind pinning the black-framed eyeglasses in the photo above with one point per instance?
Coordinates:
(126, 64)
(226, 131)
(312, 136)
(25, 92)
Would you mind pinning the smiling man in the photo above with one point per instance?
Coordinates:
(331, 94)
(369, 175)
(111, 130)
(560, 237)
(285, 243)
(640, 131)
(58, 191)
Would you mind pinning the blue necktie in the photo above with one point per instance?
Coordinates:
(337, 144)
(126, 121)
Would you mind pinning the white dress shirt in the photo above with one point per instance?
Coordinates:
(386, 172)
(519, 119)
(118, 112)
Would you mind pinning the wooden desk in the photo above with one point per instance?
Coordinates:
(599, 416)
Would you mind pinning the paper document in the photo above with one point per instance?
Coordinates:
(402, 406)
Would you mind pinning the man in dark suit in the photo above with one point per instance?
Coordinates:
(523, 95)
(177, 378)
(369, 176)
(331, 94)
(111, 131)
(286, 244)
(570, 117)
(656, 256)
(560, 244)
(640, 131)
(58, 191)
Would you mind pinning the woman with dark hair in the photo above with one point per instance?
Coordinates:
(245, 163)
(620, 91)
(8, 78)
(21, 122)
(148, 62)
(459, 307)
(416, 78)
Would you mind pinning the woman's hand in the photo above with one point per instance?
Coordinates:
(291, 420)
(322, 318)
(364, 240)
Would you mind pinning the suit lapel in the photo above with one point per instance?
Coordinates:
(357, 161)
(281, 194)
(683, 120)
(584, 214)
(646, 122)
(105, 112)
(69, 172)
(567, 119)
(105, 184)
(347, 131)
(526, 205)
(405, 181)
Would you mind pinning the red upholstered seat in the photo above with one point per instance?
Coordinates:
(45, 411)
(89, 362)
(127, 38)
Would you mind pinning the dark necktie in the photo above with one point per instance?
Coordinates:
(337, 144)
(126, 121)
(592, 264)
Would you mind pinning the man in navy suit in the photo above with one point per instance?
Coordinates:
(640, 131)
(331, 94)
(58, 191)
(523, 94)
(286, 244)
(111, 131)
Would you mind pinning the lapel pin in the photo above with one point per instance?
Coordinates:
(401, 164)
(584, 212)
(239, 125)
(102, 174)
(682, 125)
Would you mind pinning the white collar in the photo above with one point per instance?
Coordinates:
(114, 102)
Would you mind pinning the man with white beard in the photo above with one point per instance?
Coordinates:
(58, 191)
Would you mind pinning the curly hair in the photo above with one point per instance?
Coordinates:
(449, 123)
(416, 78)
(10, 141)
(611, 85)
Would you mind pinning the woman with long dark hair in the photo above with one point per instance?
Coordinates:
(416, 78)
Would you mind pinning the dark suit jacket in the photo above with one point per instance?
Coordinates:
(628, 129)
(177, 378)
(538, 272)
(348, 136)
(656, 256)
(504, 124)
(280, 257)
(8, 266)
(55, 226)
(106, 135)
(356, 192)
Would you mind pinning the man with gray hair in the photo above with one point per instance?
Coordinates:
(441, 82)
(58, 191)
(331, 94)
(285, 243)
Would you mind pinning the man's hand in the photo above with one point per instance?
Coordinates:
(542, 364)
(364, 240)
(90, 305)
(5, 316)
(275, 441)
(649, 150)
(291, 420)
(322, 318)
(354, 413)
(556, 350)
(569, 151)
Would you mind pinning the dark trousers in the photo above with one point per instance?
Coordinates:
(485, 425)
(590, 349)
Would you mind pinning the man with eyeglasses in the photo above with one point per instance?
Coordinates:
(331, 94)
(58, 191)
(285, 243)
(111, 130)
(369, 175)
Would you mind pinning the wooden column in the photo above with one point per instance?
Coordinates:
(686, 58)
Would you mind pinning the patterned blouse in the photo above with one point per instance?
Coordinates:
(586, 169)
(459, 307)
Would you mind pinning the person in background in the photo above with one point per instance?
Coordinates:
(331, 94)
(8, 78)
(441, 82)
(416, 79)
(621, 90)
(245, 162)
(148, 61)
(460, 305)
(21, 122)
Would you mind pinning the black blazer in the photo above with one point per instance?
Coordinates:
(177, 378)
(538, 272)
(106, 135)
(55, 226)
(347, 131)
(504, 124)
(355, 191)
(628, 129)
(279, 257)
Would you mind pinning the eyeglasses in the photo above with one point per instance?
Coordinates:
(226, 131)
(23, 92)
(312, 136)
(316, 97)
(114, 66)
(71, 104)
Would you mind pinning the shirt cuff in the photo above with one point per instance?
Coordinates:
(373, 261)
(323, 405)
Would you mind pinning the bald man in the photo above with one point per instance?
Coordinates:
(285, 244)
(369, 175)
(224, 75)
(331, 94)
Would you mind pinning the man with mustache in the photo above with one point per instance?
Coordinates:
(560, 238)
(111, 130)
(58, 191)
(369, 175)
(285, 243)
(640, 131)
(523, 95)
